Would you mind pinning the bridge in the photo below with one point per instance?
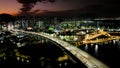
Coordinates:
(94, 37)
(84, 57)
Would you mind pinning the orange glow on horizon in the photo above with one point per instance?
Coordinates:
(8, 11)
(13, 14)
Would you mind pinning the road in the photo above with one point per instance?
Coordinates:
(84, 57)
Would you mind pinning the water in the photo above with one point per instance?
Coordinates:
(108, 53)
(38, 55)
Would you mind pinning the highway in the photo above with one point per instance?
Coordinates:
(84, 57)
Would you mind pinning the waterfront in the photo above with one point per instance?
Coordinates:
(101, 45)
(39, 53)
(35, 50)
(60, 33)
(107, 52)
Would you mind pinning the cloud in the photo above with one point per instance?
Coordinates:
(86, 8)
(27, 5)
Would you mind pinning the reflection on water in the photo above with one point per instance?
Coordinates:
(41, 55)
(96, 48)
(86, 47)
(108, 52)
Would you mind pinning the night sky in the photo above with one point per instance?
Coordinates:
(61, 7)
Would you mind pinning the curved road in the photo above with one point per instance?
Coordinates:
(84, 57)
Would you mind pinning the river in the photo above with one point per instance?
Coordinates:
(108, 52)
